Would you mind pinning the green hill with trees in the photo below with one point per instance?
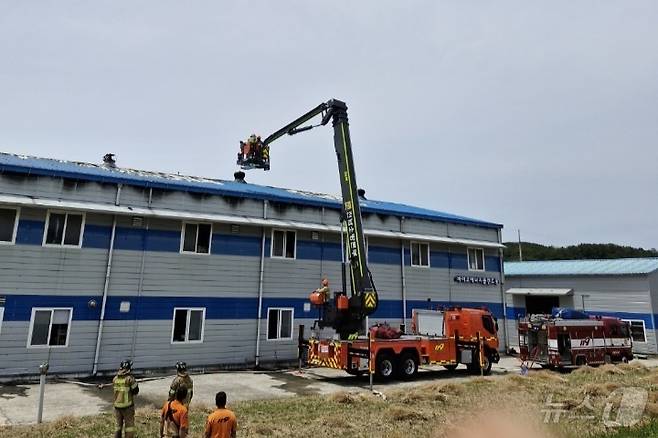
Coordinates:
(537, 251)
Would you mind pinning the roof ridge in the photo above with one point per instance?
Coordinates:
(149, 178)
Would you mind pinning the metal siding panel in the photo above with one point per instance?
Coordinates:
(17, 359)
(381, 222)
(52, 271)
(206, 203)
(420, 226)
(294, 212)
(472, 232)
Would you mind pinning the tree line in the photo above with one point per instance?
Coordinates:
(537, 251)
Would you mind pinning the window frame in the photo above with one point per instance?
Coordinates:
(468, 259)
(66, 219)
(50, 326)
(3, 304)
(187, 325)
(278, 326)
(630, 329)
(196, 241)
(411, 254)
(16, 219)
(285, 241)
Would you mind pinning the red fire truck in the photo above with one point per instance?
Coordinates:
(438, 337)
(573, 340)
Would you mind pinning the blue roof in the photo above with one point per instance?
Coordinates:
(630, 266)
(92, 172)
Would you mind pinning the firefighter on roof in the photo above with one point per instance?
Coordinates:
(324, 289)
(182, 379)
(125, 388)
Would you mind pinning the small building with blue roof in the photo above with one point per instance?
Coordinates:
(626, 288)
(100, 263)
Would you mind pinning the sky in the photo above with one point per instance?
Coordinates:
(541, 116)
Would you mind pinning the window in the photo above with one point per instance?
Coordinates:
(488, 324)
(279, 323)
(64, 229)
(196, 238)
(420, 254)
(2, 310)
(50, 327)
(8, 225)
(188, 325)
(475, 259)
(284, 244)
(638, 333)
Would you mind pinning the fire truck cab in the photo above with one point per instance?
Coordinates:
(569, 339)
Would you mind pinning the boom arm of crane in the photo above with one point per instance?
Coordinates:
(363, 299)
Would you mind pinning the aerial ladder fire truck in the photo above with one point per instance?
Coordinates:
(446, 337)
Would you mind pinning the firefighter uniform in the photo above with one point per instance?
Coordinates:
(182, 379)
(125, 387)
(324, 290)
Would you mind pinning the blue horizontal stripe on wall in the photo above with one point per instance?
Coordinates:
(384, 255)
(309, 250)
(19, 307)
(459, 261)
(231, 244)
(137, 239)
(515, 312)
(30, 232)
(492, 263)
(96, 236)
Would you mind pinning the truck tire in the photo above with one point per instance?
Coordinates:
(474, 368)
(408, 366)
(385, 366)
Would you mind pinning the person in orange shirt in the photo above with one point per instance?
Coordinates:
(221, 423)
(174, 422)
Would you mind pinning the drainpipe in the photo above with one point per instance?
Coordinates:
(106, 285)
(140, 289)
(502, 290)
(404, 278)
(260, 287)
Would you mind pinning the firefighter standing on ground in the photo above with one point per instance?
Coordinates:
(125, 388)
(182, 379)
(174, 421)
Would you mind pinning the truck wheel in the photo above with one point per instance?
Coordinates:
(385, 366)
(474, 368)
(486, 366)
(408, 366)
(452, 367)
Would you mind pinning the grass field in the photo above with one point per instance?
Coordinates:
(510, 406)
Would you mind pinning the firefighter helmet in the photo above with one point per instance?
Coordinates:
(181, 366)
(126, 365)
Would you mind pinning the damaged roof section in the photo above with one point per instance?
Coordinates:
(117, 175)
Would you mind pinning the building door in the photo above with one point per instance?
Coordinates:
(537, 304)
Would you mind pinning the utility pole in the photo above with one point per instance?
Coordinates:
(520, 250)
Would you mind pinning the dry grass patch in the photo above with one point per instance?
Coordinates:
(425, 410)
